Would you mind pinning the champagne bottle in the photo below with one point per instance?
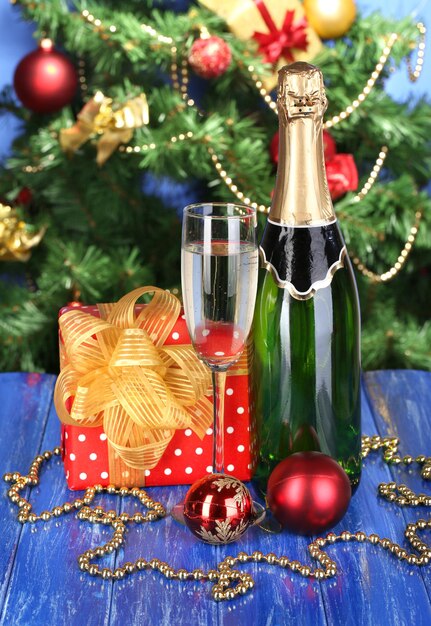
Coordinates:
(306, 329)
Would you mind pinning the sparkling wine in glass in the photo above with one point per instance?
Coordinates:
(219, 283)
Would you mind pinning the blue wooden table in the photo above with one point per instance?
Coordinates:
(40, 582)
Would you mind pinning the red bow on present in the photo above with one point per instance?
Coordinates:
(280, 42)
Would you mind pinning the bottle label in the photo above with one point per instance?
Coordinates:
(302, 260)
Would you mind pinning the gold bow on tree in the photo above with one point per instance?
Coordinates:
(113, 126)
(119, 374)
(16, 239)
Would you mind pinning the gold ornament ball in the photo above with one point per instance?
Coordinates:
(330, 18)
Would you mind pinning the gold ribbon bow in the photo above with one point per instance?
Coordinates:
(16, 239)
(120, 375)
(114, 126)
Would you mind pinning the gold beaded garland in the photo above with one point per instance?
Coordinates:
(228, 582)
(402, 257)
(374, 174)
(343, 115)
(414, 74)
(181, 85)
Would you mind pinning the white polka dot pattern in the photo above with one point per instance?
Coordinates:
(187, 457)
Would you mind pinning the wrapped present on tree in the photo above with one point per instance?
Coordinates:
(134, 399)
(279, 27)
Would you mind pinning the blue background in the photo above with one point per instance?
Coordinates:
(16, 40)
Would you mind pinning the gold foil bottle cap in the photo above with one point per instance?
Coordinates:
(301, 92)
(301, 196)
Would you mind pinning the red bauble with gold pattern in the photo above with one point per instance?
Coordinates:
(218, 509)
(308, 492)
(209, 57)
(45, 80)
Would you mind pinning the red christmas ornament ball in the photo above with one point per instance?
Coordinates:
(218, 508)
(24, 197)
(45, 80)
(209, 57)
(308, 492)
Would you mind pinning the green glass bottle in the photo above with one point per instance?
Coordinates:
(306, 329)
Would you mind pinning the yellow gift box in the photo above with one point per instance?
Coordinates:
(248, 19)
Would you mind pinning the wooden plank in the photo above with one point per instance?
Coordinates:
(401, 401)
(373, 587)
(46, 586)
(279, 596)
(149, 593)
(24, 404)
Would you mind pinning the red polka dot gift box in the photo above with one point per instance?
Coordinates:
(135, 401)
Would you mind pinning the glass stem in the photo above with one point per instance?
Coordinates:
(219, 384)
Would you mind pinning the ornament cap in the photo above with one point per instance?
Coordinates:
(46, 44)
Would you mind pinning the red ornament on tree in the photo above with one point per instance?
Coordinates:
(218, 509)
(273, 148)
(209, 57)
(45, 80)
(24, 197)
(342, 175)
(308, 492)
(329, 146)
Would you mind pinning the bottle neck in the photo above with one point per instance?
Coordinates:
(301, 195)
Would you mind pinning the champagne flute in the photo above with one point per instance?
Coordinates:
(219, 282)
(219, 267)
